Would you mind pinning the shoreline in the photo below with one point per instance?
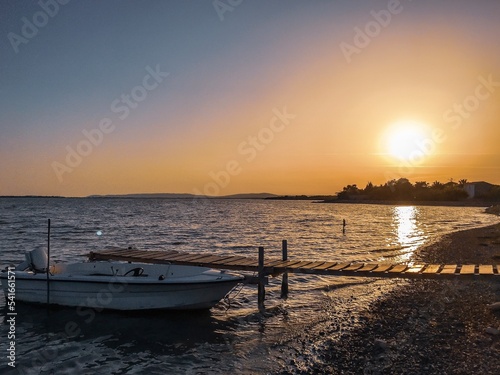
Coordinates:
(464, 203)
(427, 326)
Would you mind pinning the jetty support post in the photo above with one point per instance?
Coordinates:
(284, 279)
(48, 263)
(262, 281)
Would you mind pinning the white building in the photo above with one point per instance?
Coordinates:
(477, 189)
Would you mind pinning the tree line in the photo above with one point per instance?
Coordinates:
(403, 189)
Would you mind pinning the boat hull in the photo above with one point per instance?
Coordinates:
(200, 290)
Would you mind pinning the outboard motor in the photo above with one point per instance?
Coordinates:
(35, 259)
(39, 259)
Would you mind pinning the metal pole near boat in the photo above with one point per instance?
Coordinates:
(261, 286)
(48, 262)
(284, 279)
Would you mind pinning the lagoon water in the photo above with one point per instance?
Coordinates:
(232, 337)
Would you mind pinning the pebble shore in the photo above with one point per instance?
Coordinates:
(428, 326)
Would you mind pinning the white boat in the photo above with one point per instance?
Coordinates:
(117, 285)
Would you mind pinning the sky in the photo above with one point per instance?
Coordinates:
(239, 96)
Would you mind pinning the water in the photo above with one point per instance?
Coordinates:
(232, 337)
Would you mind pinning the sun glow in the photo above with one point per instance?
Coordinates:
(405, 139)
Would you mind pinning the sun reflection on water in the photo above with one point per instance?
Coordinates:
(409, 236)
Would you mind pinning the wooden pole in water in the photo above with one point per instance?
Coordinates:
(261, 286)
(284, 280)
(48, 262)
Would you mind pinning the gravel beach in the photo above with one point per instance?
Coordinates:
(427, 326)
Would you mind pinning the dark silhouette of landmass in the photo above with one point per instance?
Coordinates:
(301, 197)
(187, 196)
(157, 196)
(402, 191)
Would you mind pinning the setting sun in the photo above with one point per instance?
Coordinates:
(403, 138)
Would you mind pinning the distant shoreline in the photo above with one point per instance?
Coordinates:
(323, 199)
(313, 199)
(152, 196)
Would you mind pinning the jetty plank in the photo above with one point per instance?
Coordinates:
(178, 258)
(339, 266)
(191, 257)
(325, 266)
(313, 264)
(172, 257)
(468, 269)
(298, 265)
(131, 252)
(416, 268)
(233, 260)
(486, 269)
(228, 259)
(201, 256)
(247, 263)
(160, 253)
(283, 263)
(449, 269)
(204, 258)
(149, 254)
(310, 268)
(431, 268)
(399, 268)
(353, 267)
(368, 267)
(126, 257)
(147, 257)
(383, 268)
(275, 262)
(209, 259)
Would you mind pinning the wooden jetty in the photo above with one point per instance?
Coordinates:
(317, 267)
(265, 267)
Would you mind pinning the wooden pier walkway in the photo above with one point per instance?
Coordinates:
(316, 267)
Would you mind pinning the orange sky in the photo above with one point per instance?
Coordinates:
(211, 126)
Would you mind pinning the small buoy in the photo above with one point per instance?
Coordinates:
(99, 233)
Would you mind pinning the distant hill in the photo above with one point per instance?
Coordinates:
(147, 195)
(301, 197)
(186, 196)
(249, 196)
